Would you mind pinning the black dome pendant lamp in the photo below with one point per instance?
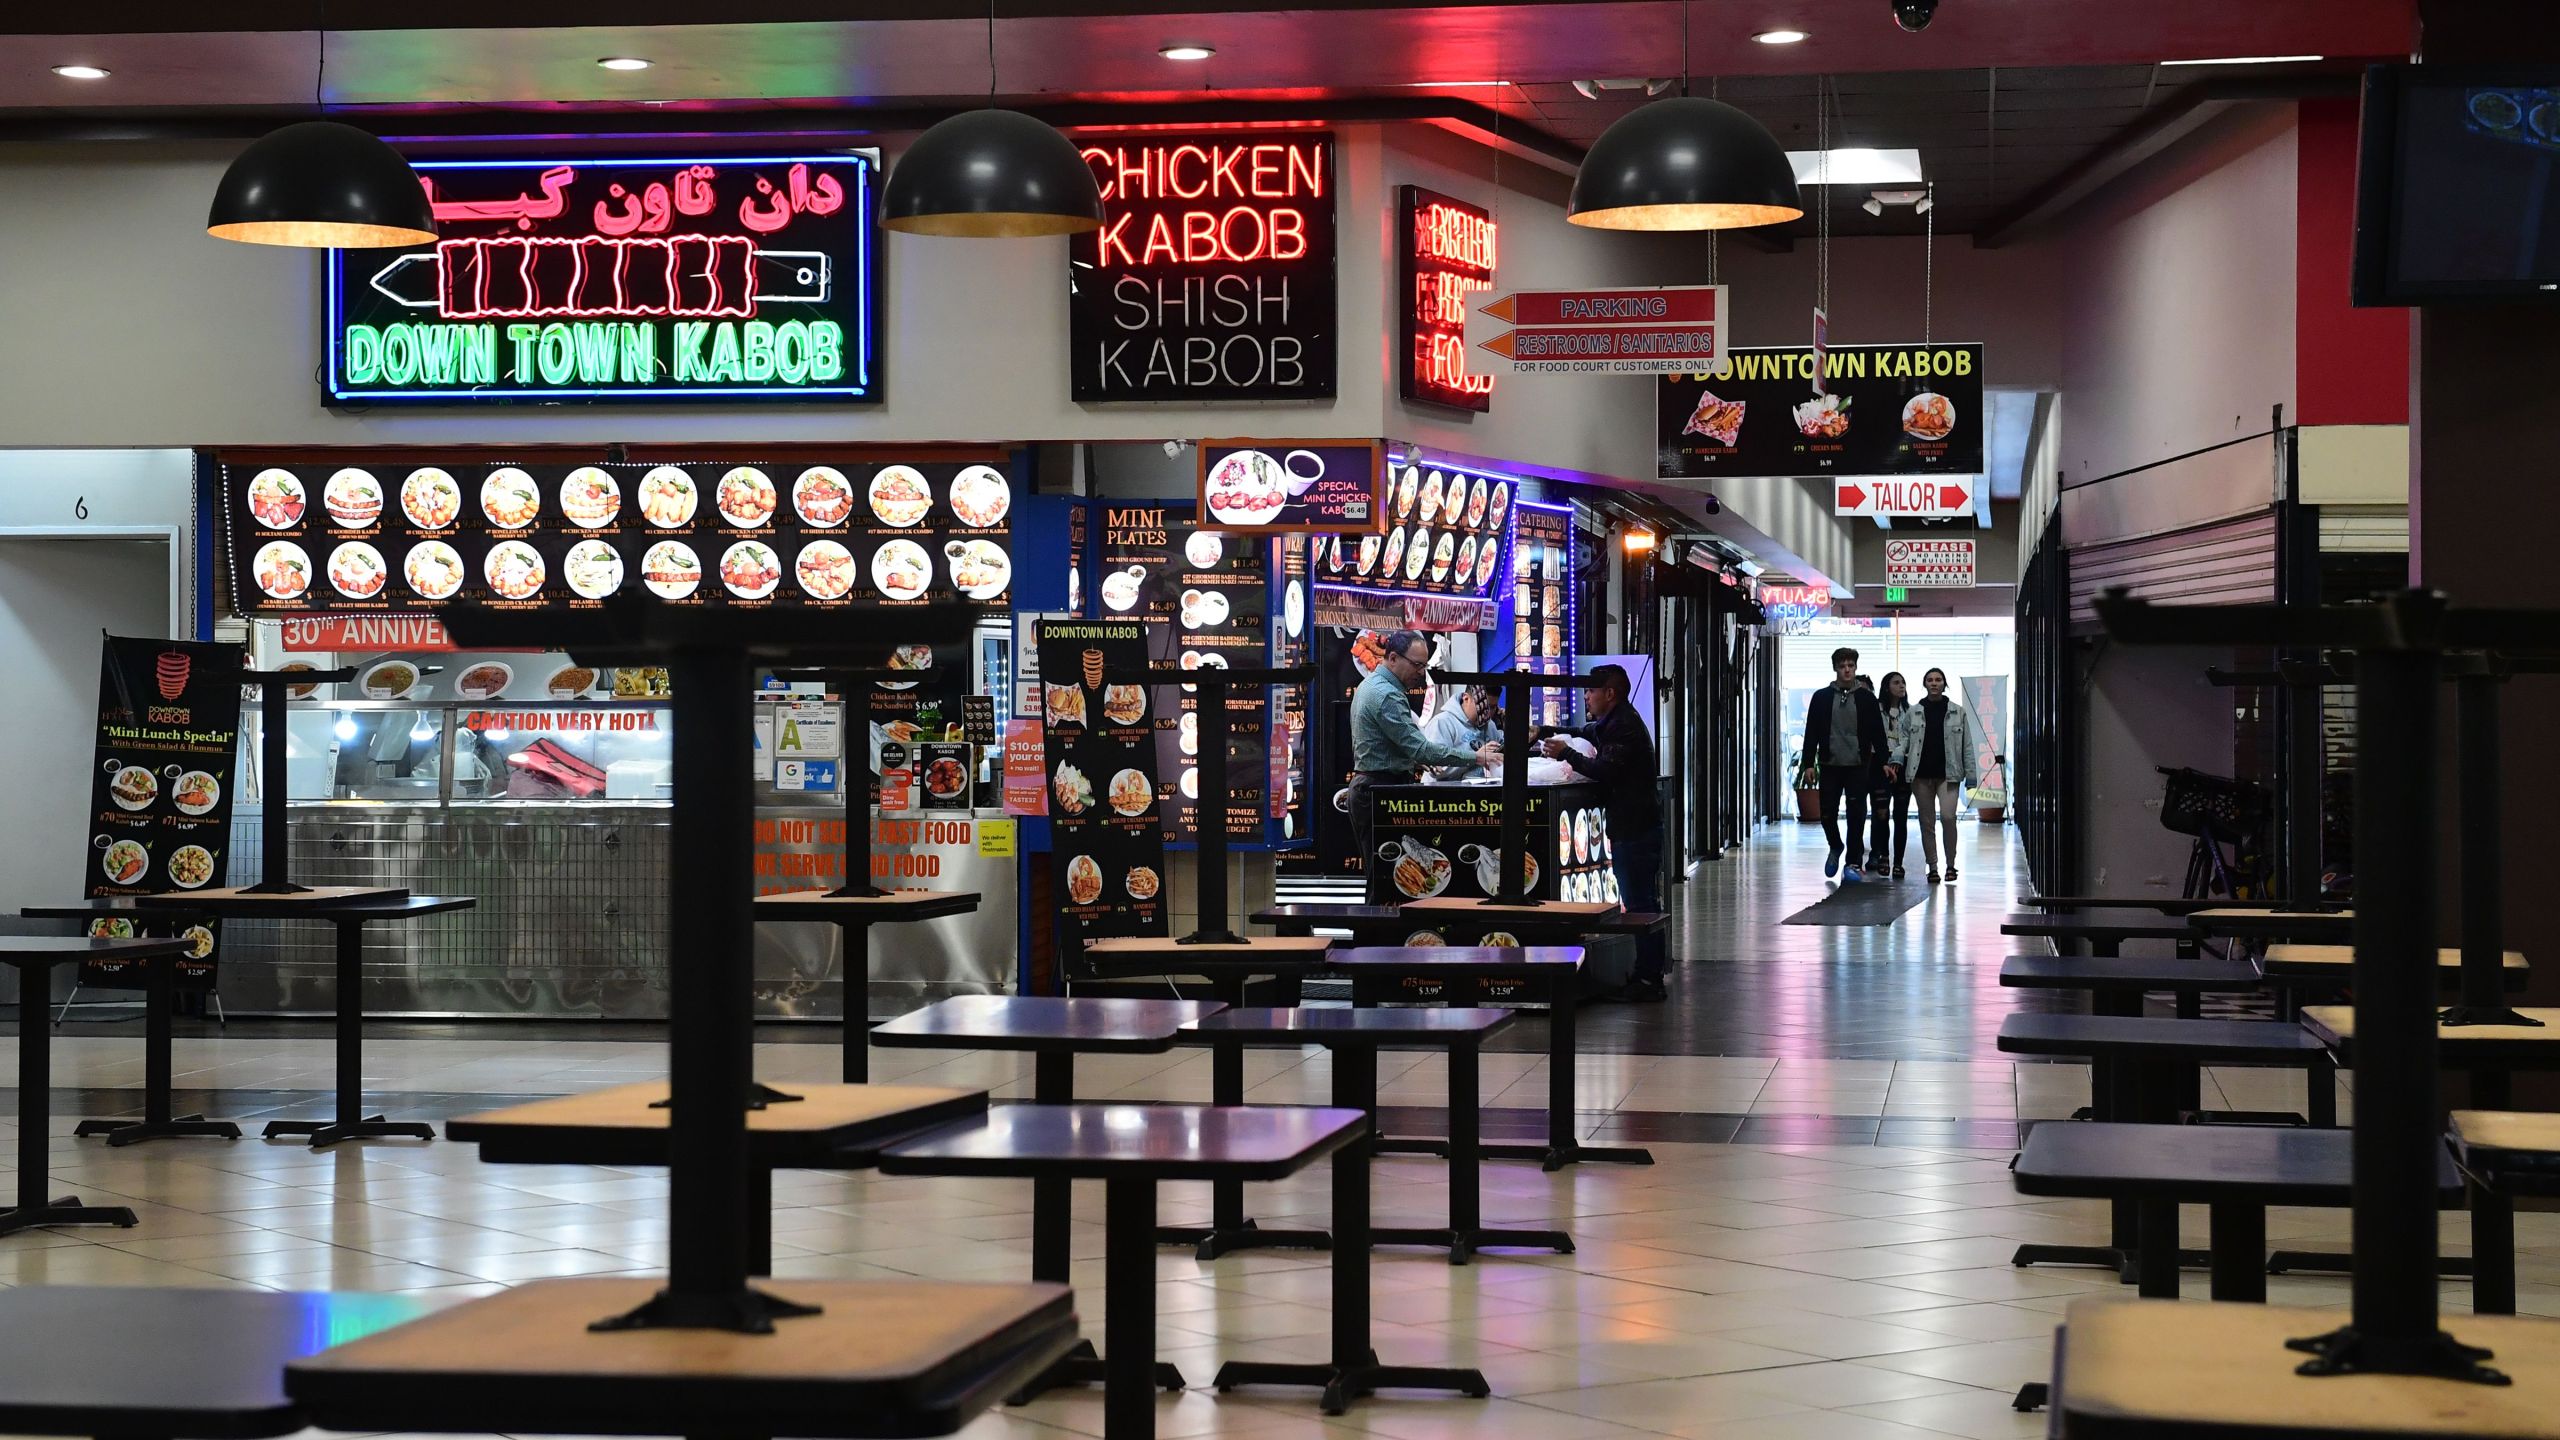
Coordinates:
(992, 174)
(1684, 164)
(320, 185)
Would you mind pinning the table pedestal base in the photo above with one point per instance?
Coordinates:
(1556, 1157)
(65, 1210)
(2348, 1351)
(1226, 1238)
(134, 1132)
(2125, 1260)
(1462, 1245)
(744, 1310)
(1084, 1365)
(1343, 1384)
(325, 1133)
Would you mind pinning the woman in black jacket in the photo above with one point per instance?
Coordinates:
(1892, 798)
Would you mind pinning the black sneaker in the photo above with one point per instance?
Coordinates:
(1643, 991)
(1933, 877)
(1831, 866)
(1951, 874)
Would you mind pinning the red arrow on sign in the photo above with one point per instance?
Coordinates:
(1952, 496)
(1853, 497)
(1499, 344)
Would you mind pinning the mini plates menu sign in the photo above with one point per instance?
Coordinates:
(1203, 597)
(422, 534)
(1275, 487)
(160, 790)
(1106, 837)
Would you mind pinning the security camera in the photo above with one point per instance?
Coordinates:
(1914, 15)
(1714, 506)
(1873, 206)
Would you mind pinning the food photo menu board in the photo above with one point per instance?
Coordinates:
(1203, 598)
(1542, 621)
(1098, 742)
(1443, 535)
(161, 787)
(1876, 410)
(1290, 648)
(427, 534)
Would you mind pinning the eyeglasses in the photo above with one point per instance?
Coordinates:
(1417, 662)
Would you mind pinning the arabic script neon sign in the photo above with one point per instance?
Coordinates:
(586, 280)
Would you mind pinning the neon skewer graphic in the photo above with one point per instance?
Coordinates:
(649, 275)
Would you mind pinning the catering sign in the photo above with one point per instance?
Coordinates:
(1929, 563)
(1446, 253)
(162, 785)
(1882, 410)
(431, 534)
(587, 279)
(1212, 277)
(1274, 487)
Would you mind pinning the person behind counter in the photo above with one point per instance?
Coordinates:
(1623, 765)
(1387, 744)
(1467, 722)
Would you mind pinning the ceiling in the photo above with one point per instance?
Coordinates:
(2000, 96)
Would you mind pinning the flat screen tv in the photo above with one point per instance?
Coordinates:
(2458, 185)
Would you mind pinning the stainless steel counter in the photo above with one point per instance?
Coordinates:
(574, 901)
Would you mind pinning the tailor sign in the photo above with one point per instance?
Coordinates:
(1919, 499)
(1212, 275)
(581, 280)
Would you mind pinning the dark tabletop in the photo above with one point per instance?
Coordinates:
(828, 1127)
(62, 949)
(1094, 1141)
(2227, 1042)
(1335, 914)
(2161, 904)
(2276, 925)
(2127, 972)
(285, 907)
(2099, 927)
(1044, 1022)
(113, 906)
(1479, 960)
(147, 1360)
(898, 909)
(2198, 1164)
(1409, 1027)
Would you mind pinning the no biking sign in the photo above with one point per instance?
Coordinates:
(1929, 564)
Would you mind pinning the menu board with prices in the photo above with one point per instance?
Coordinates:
(1204, 598)
(1105, 826)
(1444, 535)
(160, 790)
(1271, 486)
(428, 534)
(1446, 840)
(1879, 410)
(1542, 603)
(1291, 647)
(945, 775)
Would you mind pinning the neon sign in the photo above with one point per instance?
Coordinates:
(600, 280)
(1445, 253)
(1212, 276)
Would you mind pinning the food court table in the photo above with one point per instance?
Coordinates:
(880, 1358)
(159, 1001)
(350, 913)
(2102, 935)
(853, 916)
(33, 957)
(2318, 927)
(133, 1360)
(1459, 972)
(822, 1127)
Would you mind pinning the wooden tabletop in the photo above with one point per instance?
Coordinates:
(308, 895)
(885, 1357)
(1044, 1022)
(2274, 924)
(2510, 1151)
(215, 1363)
(1102, 1141)
(828, 1127)
(889, 909)
(1326, 912)
(1254, 947)
(1481, 960)
(2198, 1164)
(2523, 1047)
(2163, 904)
(2160, 1367)
(1474, 909)
(2296, 956)
(367, 906)
(2098, 927)
(109, 907)
(65, 949)
(2127, 972)
(2210, 1042)
(1411, 1027)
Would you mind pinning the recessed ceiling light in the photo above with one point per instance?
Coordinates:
(623, 62)
(80, 72)
(1187, 52)
(2251, 60)
(1781, 37)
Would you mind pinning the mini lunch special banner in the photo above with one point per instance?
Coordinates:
(1106, 835)
(1880, 410)
(1276, 487)
(160, 791)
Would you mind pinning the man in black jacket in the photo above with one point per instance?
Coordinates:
(1626, 769)
(1848, 753)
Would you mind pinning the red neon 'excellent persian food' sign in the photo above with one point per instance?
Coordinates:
(1212, 275)
(1446, 255)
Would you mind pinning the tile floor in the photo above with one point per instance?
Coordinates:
(1809, 1273)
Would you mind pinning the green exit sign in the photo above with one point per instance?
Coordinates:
(1897, 595)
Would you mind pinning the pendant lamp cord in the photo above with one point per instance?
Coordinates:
(1715, 250)
(991, 53)
(1684, 49)
(1822, 181)
(1929, 263)
(320, 79)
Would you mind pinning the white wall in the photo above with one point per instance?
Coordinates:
(2009, 300)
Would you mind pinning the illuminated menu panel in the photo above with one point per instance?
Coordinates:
(585, 279)
(1212, 277)
(411, 536)
(1446, 254)
(1444, 536)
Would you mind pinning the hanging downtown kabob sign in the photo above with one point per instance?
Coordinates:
(582, 280)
